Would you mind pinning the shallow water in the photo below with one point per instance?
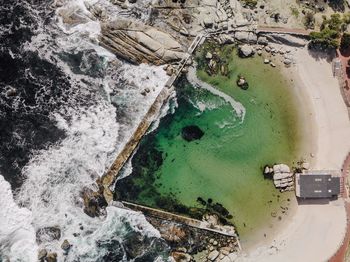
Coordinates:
(226, 163)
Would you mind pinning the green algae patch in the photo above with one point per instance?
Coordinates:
(224, 166)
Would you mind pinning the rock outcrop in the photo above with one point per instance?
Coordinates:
(283, 178)
(247, 37)
(285, 39)
(139, 43)
(245, 51)
(47, 234)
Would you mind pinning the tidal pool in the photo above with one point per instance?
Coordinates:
(225, 164)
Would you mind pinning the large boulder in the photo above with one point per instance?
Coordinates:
(140, 43)
(66, 246)
(262, 40)
(248, 37)
(245, 51)
(181, 256)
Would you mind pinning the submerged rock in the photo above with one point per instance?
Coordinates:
(190, 133)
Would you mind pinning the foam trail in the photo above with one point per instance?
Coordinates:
(195, 81)
(17, 235)
(166, 109)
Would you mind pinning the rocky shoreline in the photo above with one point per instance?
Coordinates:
(162, 38)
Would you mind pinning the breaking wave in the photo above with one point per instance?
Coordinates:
(196, 82)
(74, 107)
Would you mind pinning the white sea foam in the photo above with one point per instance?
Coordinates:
(135, 79)
(54, 177)
(114, 227)
(17, 235)
(165, 110)
(195, 81)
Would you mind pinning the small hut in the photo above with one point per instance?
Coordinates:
(317, 184)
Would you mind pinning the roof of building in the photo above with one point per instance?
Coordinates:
(317, 185)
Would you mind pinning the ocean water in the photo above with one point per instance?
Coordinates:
(243, 131)
(75, 105)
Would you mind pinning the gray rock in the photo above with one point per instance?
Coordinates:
(267, 170)
(259, 52)
(246, 51)
(246, 37)
(208, 22)
(266, 61)
(140, 43)
(42, 254)
(272, 64)
(226, 39)
(209, 55)
(213, 255)
(262, 40)
(66, 245)
(287, 61)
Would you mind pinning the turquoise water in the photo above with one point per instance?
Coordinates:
(226, 163)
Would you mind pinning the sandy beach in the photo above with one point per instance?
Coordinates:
(317, 229)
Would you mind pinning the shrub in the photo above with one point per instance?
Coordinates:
(325, 39)
(309, 20)
(345, 41)
(295, 11)
(250, 3)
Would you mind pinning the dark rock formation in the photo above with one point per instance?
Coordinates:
(48, 234)
(42, 254)
(66, 246)
(51, 257)
(94, 202)
(190, 133)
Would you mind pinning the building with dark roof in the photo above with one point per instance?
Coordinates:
(317, 184)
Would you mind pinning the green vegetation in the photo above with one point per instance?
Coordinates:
(250, 3)
(325, 39)
(295, 11)
(345, 41)
(309, 20)
(330, 34)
